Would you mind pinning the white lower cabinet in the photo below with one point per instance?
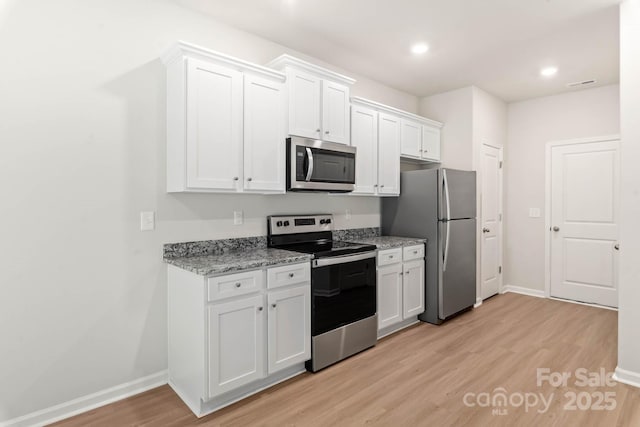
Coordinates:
(236, 343)
(389, 295)
(289, 329)
(401, 285)
(233, 335)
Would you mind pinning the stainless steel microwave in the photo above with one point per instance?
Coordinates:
(314, 165)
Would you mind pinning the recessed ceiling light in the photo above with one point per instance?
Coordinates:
(419, 48)
(549, 71)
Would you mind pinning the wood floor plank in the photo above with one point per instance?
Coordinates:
(421, 375)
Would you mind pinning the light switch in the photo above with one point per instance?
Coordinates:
(147, 221)
(238, 218)
(534, 212)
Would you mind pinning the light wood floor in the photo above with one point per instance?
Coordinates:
(420, 376)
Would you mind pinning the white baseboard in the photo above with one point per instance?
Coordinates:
(478, 303)
(89, 402)
(524, 291)
(627, 377)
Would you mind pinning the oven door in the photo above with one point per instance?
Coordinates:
(343, 291)
(320, 166)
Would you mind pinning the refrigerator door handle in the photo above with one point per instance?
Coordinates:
(446, 193)
(445, 256)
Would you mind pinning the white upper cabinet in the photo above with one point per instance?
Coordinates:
(411, 138)
(225, 123)
(364, 136)
(318, 100)
(214, 126)
(431, 143)
(388, 155)
(335, 112)
(264, 135)
(304, 104)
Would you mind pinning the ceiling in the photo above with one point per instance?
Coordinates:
(497, 45)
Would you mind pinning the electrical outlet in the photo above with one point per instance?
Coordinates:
(238, 218)
(534, 212)
(347, 214)
(147, 221)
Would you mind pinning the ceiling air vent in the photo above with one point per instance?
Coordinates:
(582, 83)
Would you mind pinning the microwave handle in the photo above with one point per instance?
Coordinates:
(310, 169)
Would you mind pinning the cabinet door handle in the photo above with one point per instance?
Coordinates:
(249, 179)
(260, 308)
(291, 274)
(382, 186)
(318, 130)
(401, 273)
(238, 285)
(375, 185)
(415, 252)
(235, 178)
(273, 305)
(407, 272)
(326, 132)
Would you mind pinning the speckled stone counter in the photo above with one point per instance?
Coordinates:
(388, 242)
(236, 260)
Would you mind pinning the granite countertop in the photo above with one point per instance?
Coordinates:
(236, 260)
(388, 242)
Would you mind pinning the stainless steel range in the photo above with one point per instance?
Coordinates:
(343, 286)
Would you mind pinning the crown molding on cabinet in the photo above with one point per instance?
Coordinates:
(181, 49)
(395, 111)
(284, 61)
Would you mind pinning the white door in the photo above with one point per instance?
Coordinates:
(335, 112)
(214, 126)
(289, 332)
(364, 136)
(389, 295)
(236, 343)
(413, 288)
(304, 104)
(264, 135)
(491, 243)
(411, 138)
(431, 143)
(584, 222)
(388, 154)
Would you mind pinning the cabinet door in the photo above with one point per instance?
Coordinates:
(289, 329)
(413, 288)
(411, 138)
(364, 136)
(264, 135)
(236, 344)
(304, 104)
(214, 126)
(335, 112)
(388, 154)
(389, 295)
(431, 143)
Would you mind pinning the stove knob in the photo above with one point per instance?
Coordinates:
(286, 223)
(322, 221)
(327, 221)
(279, 224)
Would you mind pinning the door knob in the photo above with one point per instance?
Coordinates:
(556, 228)
(485, 230)
(616, 246)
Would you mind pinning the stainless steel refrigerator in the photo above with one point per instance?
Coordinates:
(439, 205)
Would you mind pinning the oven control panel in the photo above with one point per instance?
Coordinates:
(281, 224)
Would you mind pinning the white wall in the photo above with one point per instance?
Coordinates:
(628, 369)
(455, 110)
(82, 153)
(531, 124)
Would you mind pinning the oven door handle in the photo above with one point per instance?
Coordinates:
(323, 262)
(310, 167)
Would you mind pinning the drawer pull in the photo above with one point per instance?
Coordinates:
(390, 256)
(291, 274)
(407, 272)
(415, 252)
(260, 308)
(273, 305)
(238, 284)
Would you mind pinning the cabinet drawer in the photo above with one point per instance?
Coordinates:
(288, 275)
(234, 284)
(389, 256)
(413, 252)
